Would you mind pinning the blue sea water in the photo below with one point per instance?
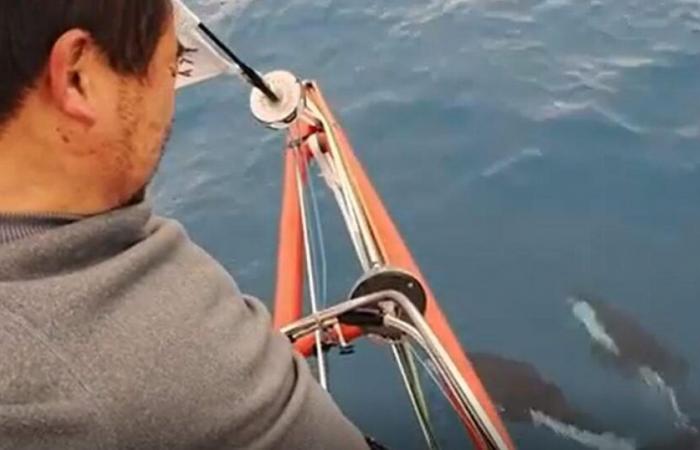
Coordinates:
(528, 150)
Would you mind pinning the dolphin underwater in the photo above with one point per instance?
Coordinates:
(518, 388)
(621, 340)
(524, 396)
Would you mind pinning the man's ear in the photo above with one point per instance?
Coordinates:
(69, 77)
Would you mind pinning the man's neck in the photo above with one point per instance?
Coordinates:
(34, 179)
(32, 192)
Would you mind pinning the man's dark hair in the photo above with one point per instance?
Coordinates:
(127, 31)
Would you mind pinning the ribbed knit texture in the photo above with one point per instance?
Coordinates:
(21, 226)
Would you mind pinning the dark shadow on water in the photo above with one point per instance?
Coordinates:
(518, 388)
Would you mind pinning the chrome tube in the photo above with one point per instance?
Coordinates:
(418, 330)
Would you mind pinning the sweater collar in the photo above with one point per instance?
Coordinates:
(14, 226)
(51, 244)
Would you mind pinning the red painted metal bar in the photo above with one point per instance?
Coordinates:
(290, 259)
(290, 270)
(396, 254)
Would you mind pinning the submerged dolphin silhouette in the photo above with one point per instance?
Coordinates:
(519, 389)
(621, 340)
(523, 395)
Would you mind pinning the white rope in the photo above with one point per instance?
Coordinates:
(347, 189)
(319, 242)
(403, 354)
(328, 171)
(334, 170)
(311, 276)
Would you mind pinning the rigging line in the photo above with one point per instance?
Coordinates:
(361, 244)
(465, 399)
(357, 213)
(318, 227)
(430, 370)
(406, 347)
(311, 230)
(309, 186)
(409, 374)
(323, 381)
(348, 188)
(353, 228)
(332, 180)
(344, 200)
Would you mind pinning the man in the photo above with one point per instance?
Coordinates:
(116, 331)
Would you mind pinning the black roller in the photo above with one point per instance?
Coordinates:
(384, 279)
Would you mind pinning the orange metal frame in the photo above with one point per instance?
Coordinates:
(290, 268)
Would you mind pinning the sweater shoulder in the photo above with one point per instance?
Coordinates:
(44, 403)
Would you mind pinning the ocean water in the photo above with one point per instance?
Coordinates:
(529, 150)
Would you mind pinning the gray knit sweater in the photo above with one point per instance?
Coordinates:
(117, 332)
